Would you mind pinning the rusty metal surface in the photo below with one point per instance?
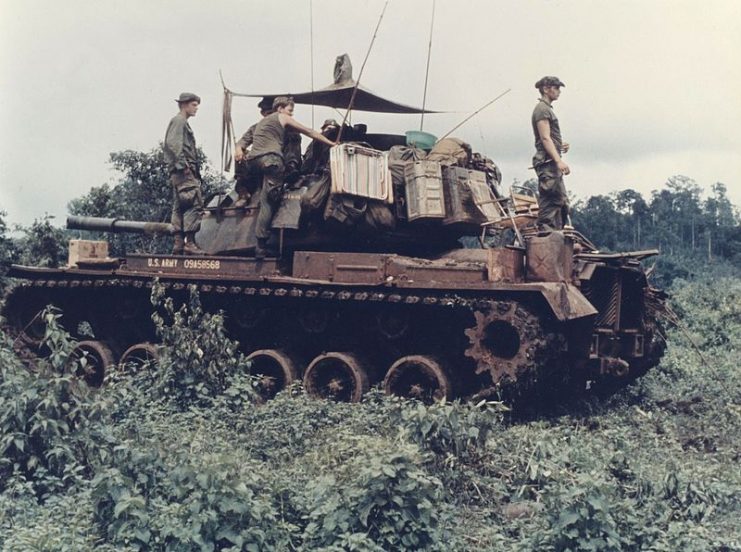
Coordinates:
(439, 273)
(321, 268)
(505, 265)
(358, 268)
(566, 301)
(549, 258)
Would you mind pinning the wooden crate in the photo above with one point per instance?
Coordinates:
(87, 250)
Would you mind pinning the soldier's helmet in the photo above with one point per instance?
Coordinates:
(330, 123)
(549, 81)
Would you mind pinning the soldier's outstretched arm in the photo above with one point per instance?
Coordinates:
(293, 123)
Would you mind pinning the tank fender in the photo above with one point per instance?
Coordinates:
(566, 301)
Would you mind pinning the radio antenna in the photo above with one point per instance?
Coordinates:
(357, 82)
(480, 109)
(427, 71)
(311, 50)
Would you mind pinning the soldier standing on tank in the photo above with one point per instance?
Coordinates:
(553, 204)
(266, 158)
(185, 177)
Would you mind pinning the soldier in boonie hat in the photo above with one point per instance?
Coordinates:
(186, 97)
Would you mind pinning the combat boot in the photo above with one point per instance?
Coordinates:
(177, 247)
(261, 249)
(191, 247)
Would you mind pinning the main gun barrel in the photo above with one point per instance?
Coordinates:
(118, 226)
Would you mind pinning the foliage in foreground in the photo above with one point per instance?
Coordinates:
(149, 467)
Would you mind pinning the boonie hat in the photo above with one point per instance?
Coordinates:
(549, 81)
(186, 97)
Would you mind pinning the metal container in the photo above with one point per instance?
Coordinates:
(361, 171)
(550, 258)
(468, 198)
(424, 190)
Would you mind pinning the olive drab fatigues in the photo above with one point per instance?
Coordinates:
(246, 183)
(182, 164)
(266, 159)
(553, 205)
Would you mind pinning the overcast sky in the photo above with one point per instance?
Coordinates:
(653, 88)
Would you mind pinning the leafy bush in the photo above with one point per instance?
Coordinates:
(41, 415)
(8, 252)
(377, 491)
(148, 499)
(450, 428)
(43, 244)
(198, 361)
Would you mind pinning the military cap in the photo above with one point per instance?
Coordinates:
(266, 104)
(282, 101)
(330, 123)
(186, 97)
(549, 81)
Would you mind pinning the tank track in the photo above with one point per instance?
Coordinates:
(457, 329)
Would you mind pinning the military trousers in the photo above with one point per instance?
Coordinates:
(187, 202)
(271, 169)
(553, 203)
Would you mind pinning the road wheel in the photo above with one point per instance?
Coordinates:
(340, 377)
(92, 358)
(274, 369)
(140, 355)
(418, 377)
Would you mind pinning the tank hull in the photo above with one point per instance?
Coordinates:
(471, 315)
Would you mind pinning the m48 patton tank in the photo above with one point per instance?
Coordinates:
(369, 283)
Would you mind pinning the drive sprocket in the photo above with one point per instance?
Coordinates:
(510, 344)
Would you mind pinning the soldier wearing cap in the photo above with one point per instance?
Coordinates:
(246, 184)
(266, 108)
(553, 206)
(185, 178)
(267, 159)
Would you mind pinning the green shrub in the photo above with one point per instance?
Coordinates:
(450, 428)
(42, 413)
(185, 502)
(585, 518)
(198, 360)
(377, 491)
